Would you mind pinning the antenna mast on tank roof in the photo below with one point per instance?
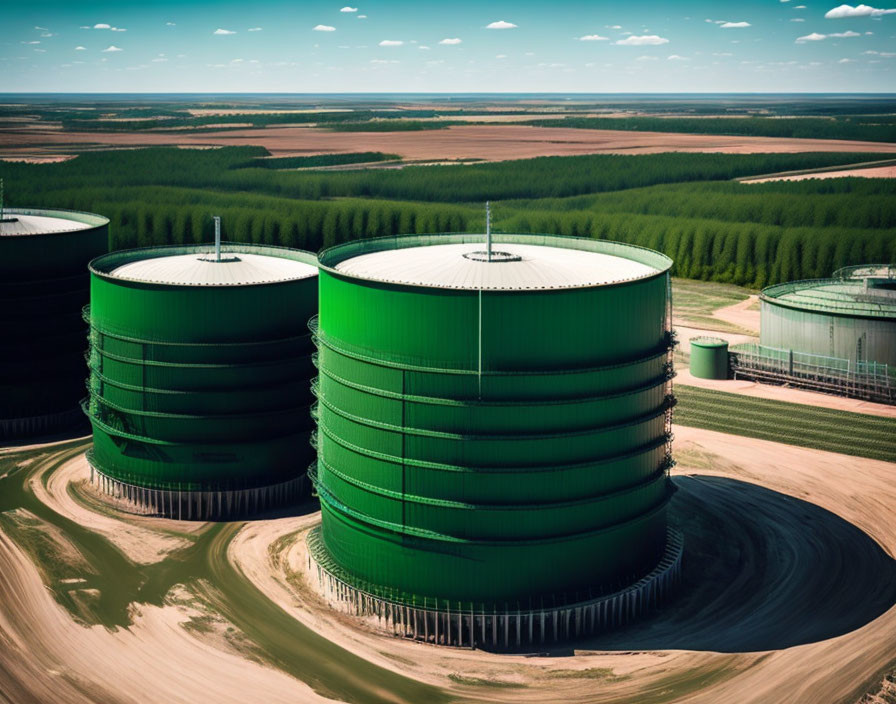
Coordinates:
(217, 220)
(488, 231)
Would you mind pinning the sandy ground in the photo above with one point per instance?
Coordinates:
(789, 594)
(804, 540)
(783, 393)
(140, 543)
(740, 314)
(873, 172)
(686, 332)
(47, 657)
(489, 142)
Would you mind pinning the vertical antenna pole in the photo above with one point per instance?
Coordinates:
(488, 231)
(480, 343)
(217, 238)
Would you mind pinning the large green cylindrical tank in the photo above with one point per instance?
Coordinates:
(200, 376)
(709, 358)
(43, 286)
(851, 316)
(492, 432)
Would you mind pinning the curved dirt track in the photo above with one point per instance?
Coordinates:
(789, 596)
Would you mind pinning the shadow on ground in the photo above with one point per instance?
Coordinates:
(762, 571)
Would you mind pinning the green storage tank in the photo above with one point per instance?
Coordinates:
(43, 286)
(709, 358)
(200, 369)
(493, 427)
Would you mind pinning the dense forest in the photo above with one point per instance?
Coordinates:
(686, 205)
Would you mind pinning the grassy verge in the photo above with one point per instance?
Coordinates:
(792, 423)
(695, 301)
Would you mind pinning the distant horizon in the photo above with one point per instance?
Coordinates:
(405, 47)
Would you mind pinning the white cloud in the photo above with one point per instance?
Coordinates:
(111, 48)
(43, 28)
(734, 25)
(646, 58)
(33, 42)
(848, 33)
(118, 29)
(593, 38)
(223, 31)
(102, 25)
(84, 26)
(799, 7)
(450, 41)
(501, 56)
(47, 34)
(80, 48)
(384, 61)
(797, 19)
(423, 47)
(645, 40)
(349, 9)
(723, 53)
(159, 60)
(254, 29)
(845, 61)
(500, 24)
(676, 57)
(362, 17)
(842, 11)
(391, 42)
(323, 28)
(614, 26)
(814, 37)
(170, 24)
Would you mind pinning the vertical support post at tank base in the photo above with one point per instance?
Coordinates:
(557, 623)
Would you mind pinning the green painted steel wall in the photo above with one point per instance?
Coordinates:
(709, 358)
(200, 387)
(817, 332)
(542, 477)
(43, 286)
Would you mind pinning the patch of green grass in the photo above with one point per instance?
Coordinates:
(849, 433)
(604, 674)
(481, 682)
(693, 302)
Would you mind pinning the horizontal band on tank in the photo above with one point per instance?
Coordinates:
(142, 438)
(177, 392)
(104, 265)
(375, 357)
(330, 258)
(475, 625)
(177, 502)
(189, 365)
(399, 529)
(661, 441)
(203, 416)
(463, 506)
(71, 282)
(85, 314)
(668, 403)
(501, 403)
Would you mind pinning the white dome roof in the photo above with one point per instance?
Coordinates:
(461, 266)
(200, 269)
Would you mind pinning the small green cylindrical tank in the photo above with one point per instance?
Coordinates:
(709, 358)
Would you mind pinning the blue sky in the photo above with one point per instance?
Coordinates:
(457, 46)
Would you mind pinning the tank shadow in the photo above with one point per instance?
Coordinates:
(762, 571)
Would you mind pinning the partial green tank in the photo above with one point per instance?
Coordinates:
(709, 358)
(200, 369)
(43, 286)
(493, 425)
